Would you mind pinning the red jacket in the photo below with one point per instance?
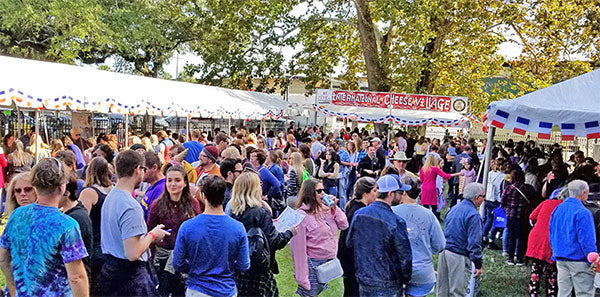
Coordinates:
(3, 164)
(538, 246)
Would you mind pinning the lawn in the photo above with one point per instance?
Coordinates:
(497, 280)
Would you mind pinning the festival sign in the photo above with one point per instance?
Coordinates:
(393, 100)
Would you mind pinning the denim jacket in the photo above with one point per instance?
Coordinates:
(382, 253)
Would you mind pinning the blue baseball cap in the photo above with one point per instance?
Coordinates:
(391, 183)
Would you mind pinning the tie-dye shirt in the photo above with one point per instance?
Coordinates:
(40, 240)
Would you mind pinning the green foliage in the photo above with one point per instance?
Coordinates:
(446, 47)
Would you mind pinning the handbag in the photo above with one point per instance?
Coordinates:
(329, 271)
(499, 217)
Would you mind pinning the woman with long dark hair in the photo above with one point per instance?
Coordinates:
(316, 241)
(330, 172)
(175, 206)
(365, 192)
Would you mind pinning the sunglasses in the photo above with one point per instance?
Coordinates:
(58, 162)
(24, 190)
(319, 191)
(144, 168)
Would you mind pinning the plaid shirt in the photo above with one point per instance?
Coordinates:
(513, 201)
(361, 154)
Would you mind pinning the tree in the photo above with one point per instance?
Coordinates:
(450, 47)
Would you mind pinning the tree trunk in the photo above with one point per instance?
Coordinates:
(426, 84)
(376, 75)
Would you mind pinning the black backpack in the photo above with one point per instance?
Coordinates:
(258, 247)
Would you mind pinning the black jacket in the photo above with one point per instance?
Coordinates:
(370, 164)
(260, 217)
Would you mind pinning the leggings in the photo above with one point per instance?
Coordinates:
(542, 269)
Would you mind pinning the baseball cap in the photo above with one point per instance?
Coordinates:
(391, 183)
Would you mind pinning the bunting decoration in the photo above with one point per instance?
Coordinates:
(544, 130)
(391, 119)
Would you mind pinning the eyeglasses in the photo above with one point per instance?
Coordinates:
(319, 191)
(58, 162)
(143, 168)
(24, 190)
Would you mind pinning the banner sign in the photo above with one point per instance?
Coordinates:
(393, 100)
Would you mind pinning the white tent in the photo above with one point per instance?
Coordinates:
(571, 105)
(35, 84)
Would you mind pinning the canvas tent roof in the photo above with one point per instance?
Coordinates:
(36, 84)
(573, 105)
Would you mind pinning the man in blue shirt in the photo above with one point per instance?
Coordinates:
(382, 252)
(572, 238)
(463, 244)
(212, 246)
(194, 147)
(153, 176)
(345, 166)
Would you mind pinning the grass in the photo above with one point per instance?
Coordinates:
(498, 279)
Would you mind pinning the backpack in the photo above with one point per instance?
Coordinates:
(258, 247)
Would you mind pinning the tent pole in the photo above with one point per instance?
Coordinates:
(187, 128)
(488, 158)
(93, 126)
(37, 133)
(229, 127)
(126, 129)
(18, 122)
(390, 127)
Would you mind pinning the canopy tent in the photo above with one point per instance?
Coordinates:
(400, 117)
(572, 105)
(35, 84)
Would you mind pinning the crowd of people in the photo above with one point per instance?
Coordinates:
(194, 214)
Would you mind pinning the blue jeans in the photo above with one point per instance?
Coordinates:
(489, 217)
(331, 190)
(380, 291)
(343, 192)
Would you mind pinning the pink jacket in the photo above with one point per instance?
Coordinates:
(317, 238)
(429, 194)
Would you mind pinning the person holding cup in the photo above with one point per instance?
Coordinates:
(316, 240)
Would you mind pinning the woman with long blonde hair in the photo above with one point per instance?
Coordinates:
(20, 192)
(56, 146)
(428, 176)
(295, 178)
(248, 208)
(19, 160)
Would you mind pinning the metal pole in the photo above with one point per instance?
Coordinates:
(187, 128)
(315, 123)
(93, 126)
(18, 122)
(390, 127)
(488, 158)
(37, 138)
(126, 129)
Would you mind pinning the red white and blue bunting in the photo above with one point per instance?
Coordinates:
(392, 119)
(111, 105)
(520, 124)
